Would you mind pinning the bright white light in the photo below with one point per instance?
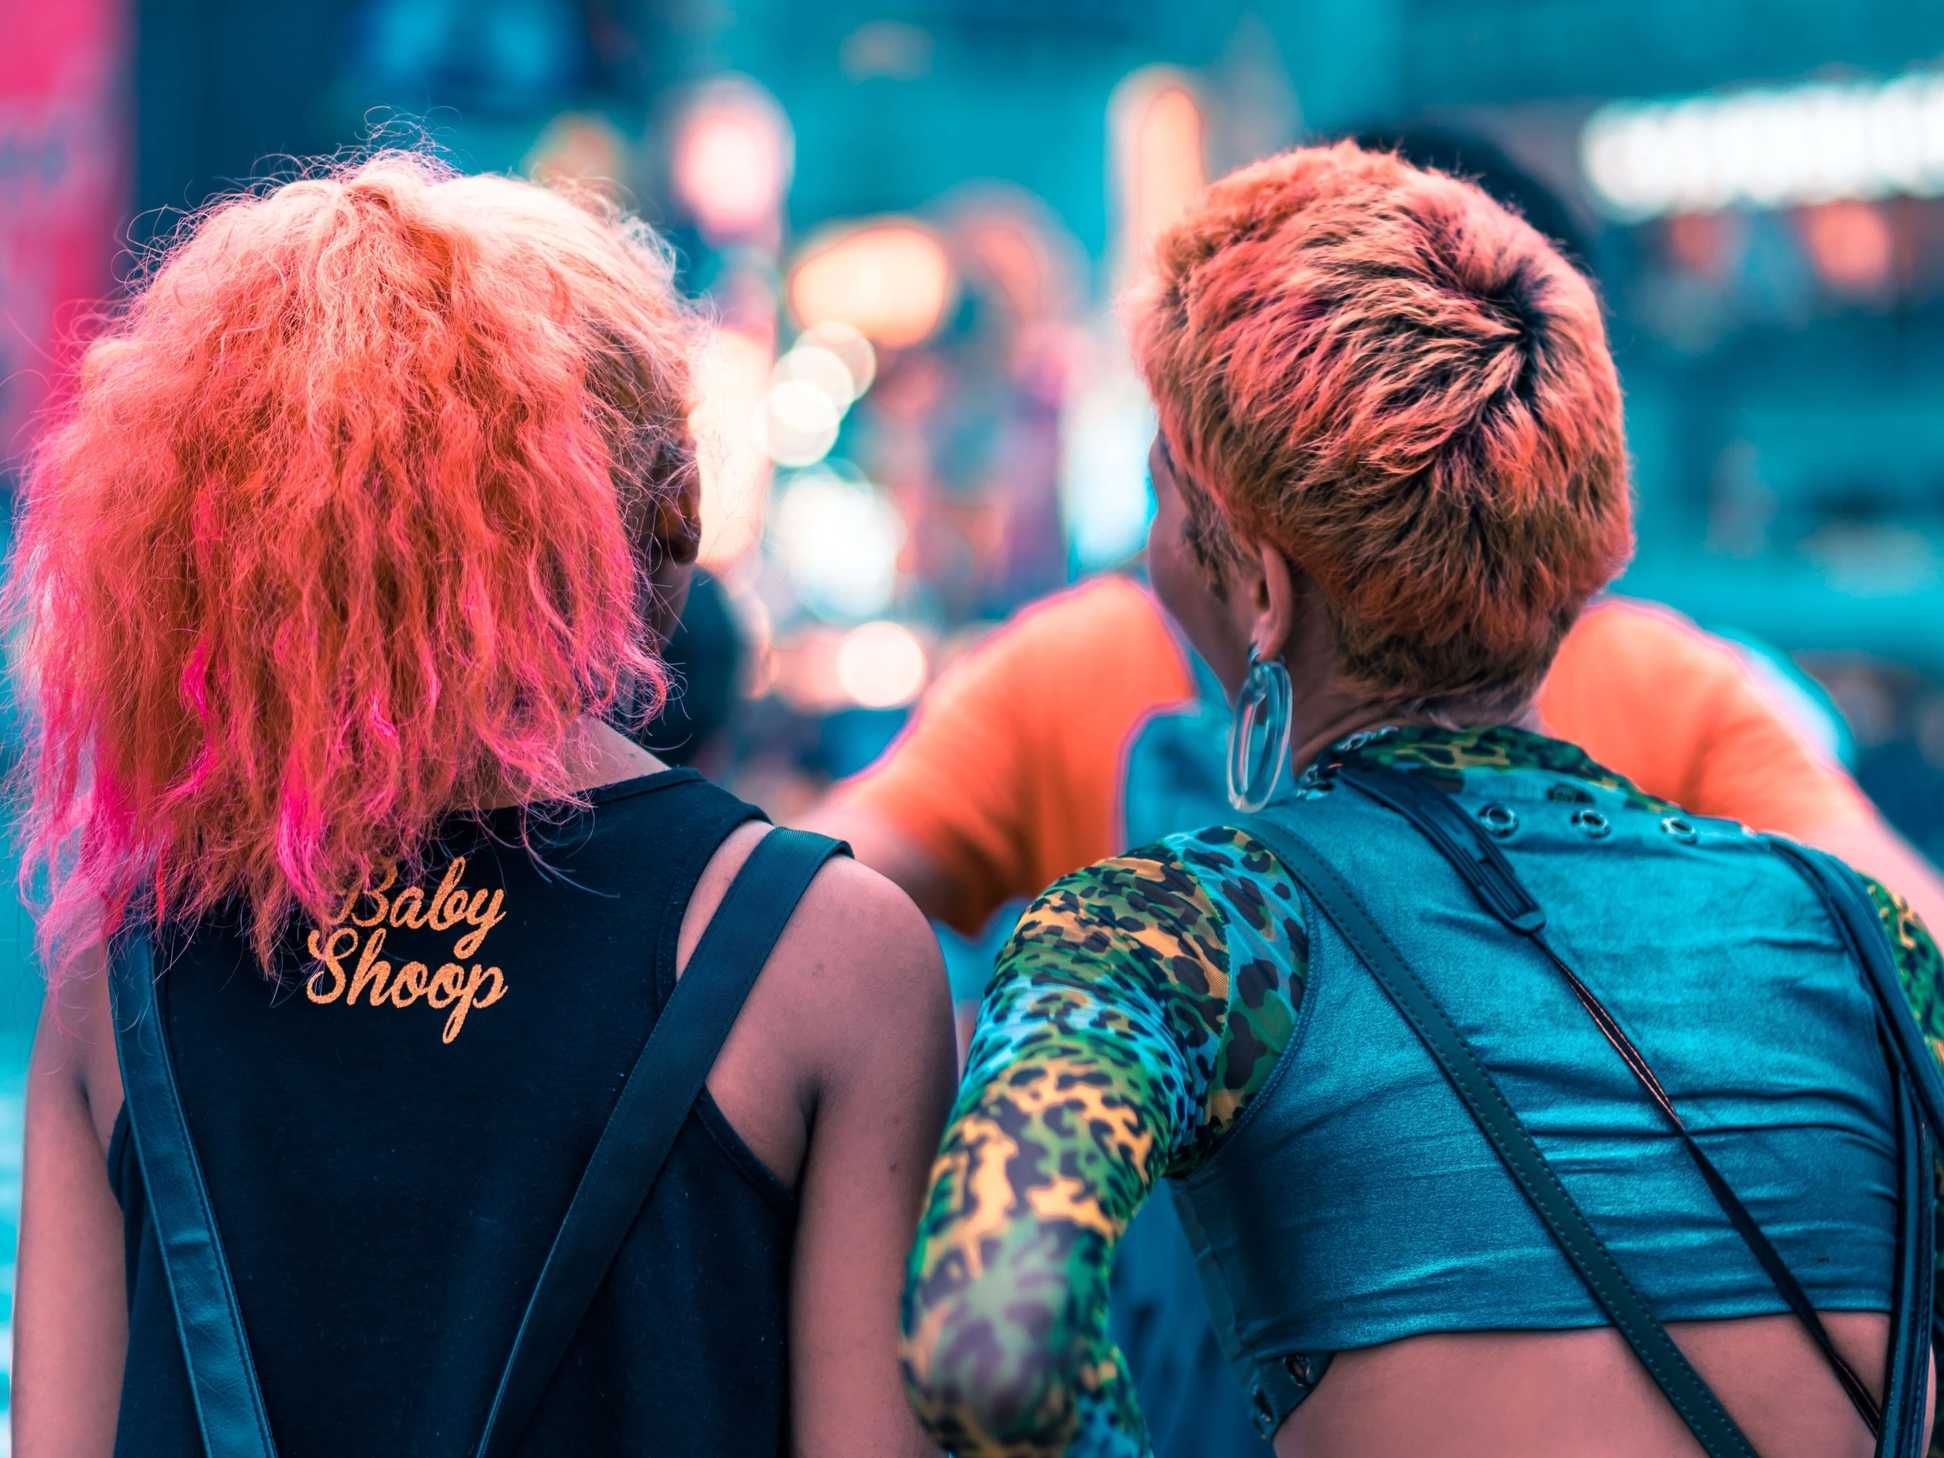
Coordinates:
(1803, 145)
(849, 345)
(1104, 495)
(802, 423)
(731, 430)
(813, 365)
(881, 665)
(838, 541)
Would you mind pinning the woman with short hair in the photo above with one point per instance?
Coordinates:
(1494, 1095)
(400, 1088)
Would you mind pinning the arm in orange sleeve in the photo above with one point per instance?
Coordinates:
(1686, 716)
(944, 810)
(1008, 775)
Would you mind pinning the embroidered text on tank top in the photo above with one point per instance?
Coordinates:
(349, 948)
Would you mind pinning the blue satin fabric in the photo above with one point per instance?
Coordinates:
(1357, 1203)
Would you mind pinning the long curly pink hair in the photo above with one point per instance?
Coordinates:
(341, 528)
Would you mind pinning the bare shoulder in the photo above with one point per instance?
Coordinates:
(861, 945)
(854, 939)
(74, 1044)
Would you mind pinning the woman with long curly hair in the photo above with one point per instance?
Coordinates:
(400, 1089)
(1508, 1110)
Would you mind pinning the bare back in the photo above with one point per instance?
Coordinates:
(1582, 1394)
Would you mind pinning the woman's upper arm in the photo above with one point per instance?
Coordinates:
(1104, 1059)
(876, 1013)
(70, 1311)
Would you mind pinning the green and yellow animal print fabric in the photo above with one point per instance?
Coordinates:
(1139, 1005)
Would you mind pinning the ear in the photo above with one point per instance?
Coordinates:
(678, 520)
(1272, 593)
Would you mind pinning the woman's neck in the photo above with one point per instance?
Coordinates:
(595, 754)
(1325, 719)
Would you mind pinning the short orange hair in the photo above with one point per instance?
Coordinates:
(1400, 383)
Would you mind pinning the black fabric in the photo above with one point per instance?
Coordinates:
(633, 1149)
(1921, 1127)
(387, 1198)
(216, 1356)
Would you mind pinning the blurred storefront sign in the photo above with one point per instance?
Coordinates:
(62, 184)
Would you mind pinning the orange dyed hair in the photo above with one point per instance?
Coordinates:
(1400, 383)
(343, 527)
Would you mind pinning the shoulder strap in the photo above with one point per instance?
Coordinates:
(663, 1086)
(1842, 894)
(1683, 1387)
(1920, 1104)
(215, 1350)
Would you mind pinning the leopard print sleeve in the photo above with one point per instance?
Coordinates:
(1921, 971)
(1139, 1006)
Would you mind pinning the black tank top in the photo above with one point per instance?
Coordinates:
(391, 1133)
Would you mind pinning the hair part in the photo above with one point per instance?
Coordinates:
(343, 527)
(1395, 380)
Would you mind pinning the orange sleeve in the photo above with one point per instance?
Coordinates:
(1685, 716)
(1009, 773)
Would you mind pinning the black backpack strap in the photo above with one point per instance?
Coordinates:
(1906, 1397)
(661, 1089)
(215, 1349)
(1683, 1387)
(1842, 893)
(1920, 1099)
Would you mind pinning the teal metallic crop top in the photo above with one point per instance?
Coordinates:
(1180, 1012)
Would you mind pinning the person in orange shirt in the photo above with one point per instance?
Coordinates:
(1043, 750)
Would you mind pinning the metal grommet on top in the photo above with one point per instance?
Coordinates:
(1592, 824)
(1498, 819)
(1265, 1414)
(1682, 830)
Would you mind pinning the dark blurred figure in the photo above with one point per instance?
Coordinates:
(708, 654)
(1469, 155)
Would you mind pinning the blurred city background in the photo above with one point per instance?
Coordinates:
(909, 221)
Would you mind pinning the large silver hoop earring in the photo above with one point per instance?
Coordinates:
(1258, 747)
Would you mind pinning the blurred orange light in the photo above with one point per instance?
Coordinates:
(1159, 137)
(1850, 245)
(891, 279)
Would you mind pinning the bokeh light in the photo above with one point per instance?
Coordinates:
(1159, 136)
(891, 279)
(731, 435)
(848, 343)
(881, 665)
(823, 371)
(1769, 148)
(838, 540)
(732, 158)
(801, 422)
